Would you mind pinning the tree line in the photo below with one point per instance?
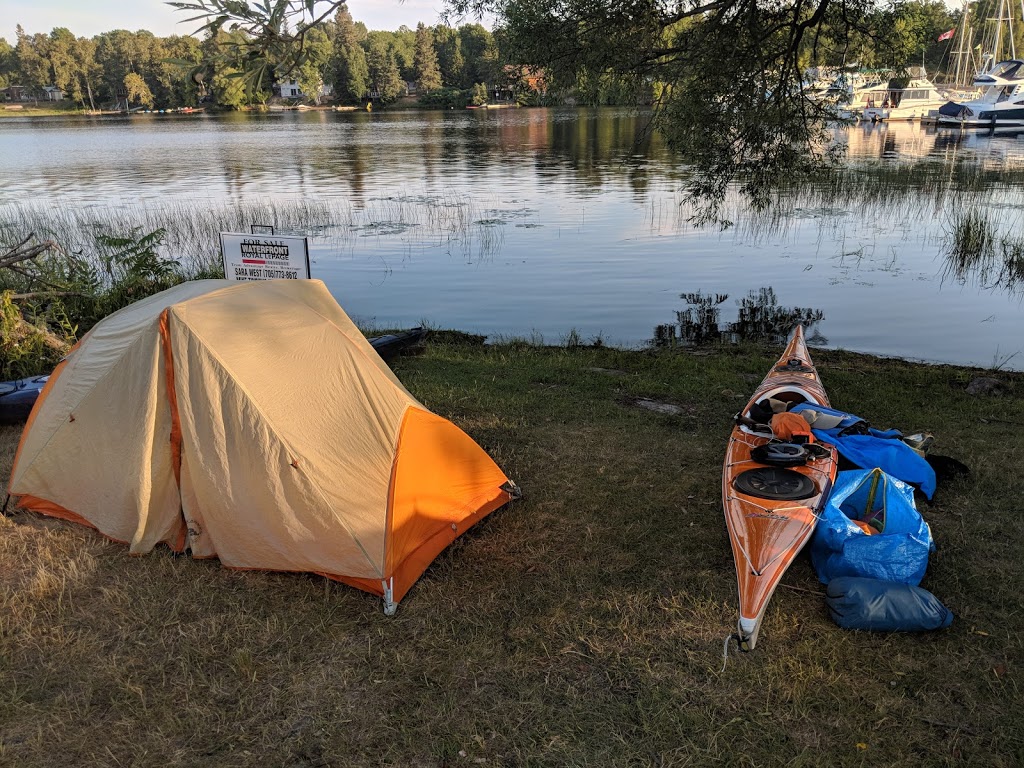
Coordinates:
(446, 65)
(122, 69)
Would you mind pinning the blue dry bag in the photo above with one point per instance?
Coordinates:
(870, 527)
(884, 606)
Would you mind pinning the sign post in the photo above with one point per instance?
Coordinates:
(264, 257)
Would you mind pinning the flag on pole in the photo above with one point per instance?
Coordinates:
(947, 35)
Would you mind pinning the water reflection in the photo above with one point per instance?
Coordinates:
(905, 141)
(758, 318)
(334, 154)
(521, 220)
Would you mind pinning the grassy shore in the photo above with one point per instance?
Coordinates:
(41, 109)
(581, 625)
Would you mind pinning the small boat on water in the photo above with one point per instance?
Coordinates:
(18, 397)
(772, 490)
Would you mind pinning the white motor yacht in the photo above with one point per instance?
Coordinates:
(1000, 105)
(852, 92)
(912, 101)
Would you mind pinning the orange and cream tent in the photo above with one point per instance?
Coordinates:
(252, 422)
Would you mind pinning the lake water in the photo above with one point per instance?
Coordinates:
(545, 223)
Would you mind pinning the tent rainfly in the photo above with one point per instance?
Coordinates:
(252, 422)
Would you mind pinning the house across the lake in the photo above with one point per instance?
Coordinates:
(15, 93)
(27, 93)
(530, 78)
(289, 89)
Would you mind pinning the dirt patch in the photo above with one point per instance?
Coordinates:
(663, 407)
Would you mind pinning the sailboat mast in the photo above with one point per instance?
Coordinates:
(971, 62)
(1009, 13)
(999, 35)
(963, 51)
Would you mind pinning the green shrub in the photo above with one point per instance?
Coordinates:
(63, 293)
(29, 349)
(133, 270)
(445, 98)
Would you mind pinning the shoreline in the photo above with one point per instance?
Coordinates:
(32, 111)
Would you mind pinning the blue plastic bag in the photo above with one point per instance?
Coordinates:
(898, 551)
(877, 448)
(884, 606)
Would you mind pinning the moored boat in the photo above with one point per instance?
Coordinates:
(915, 100)
(772, 502)
(1000, 105)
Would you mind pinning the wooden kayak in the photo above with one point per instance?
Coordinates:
(771, 511)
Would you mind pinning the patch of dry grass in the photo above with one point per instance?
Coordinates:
(581, 626)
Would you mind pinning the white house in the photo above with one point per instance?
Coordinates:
(289, 89)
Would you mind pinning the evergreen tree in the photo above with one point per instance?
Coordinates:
(449, 57)
(119, 53)
(402, 43)
(352, 79)
(65, 64)
(350, 73)
(385, 78)
(479, 53)
(428, 75)
(309, 74)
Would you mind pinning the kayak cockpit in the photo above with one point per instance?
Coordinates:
(787, 395)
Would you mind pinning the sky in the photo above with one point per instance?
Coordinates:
(86, 18)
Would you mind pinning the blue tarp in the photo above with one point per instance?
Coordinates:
(879, 448)
(899, 552)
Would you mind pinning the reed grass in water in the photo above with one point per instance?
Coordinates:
(191, 229)
(970, 196)
(977, 250)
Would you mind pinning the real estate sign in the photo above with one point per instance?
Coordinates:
(264, 257)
